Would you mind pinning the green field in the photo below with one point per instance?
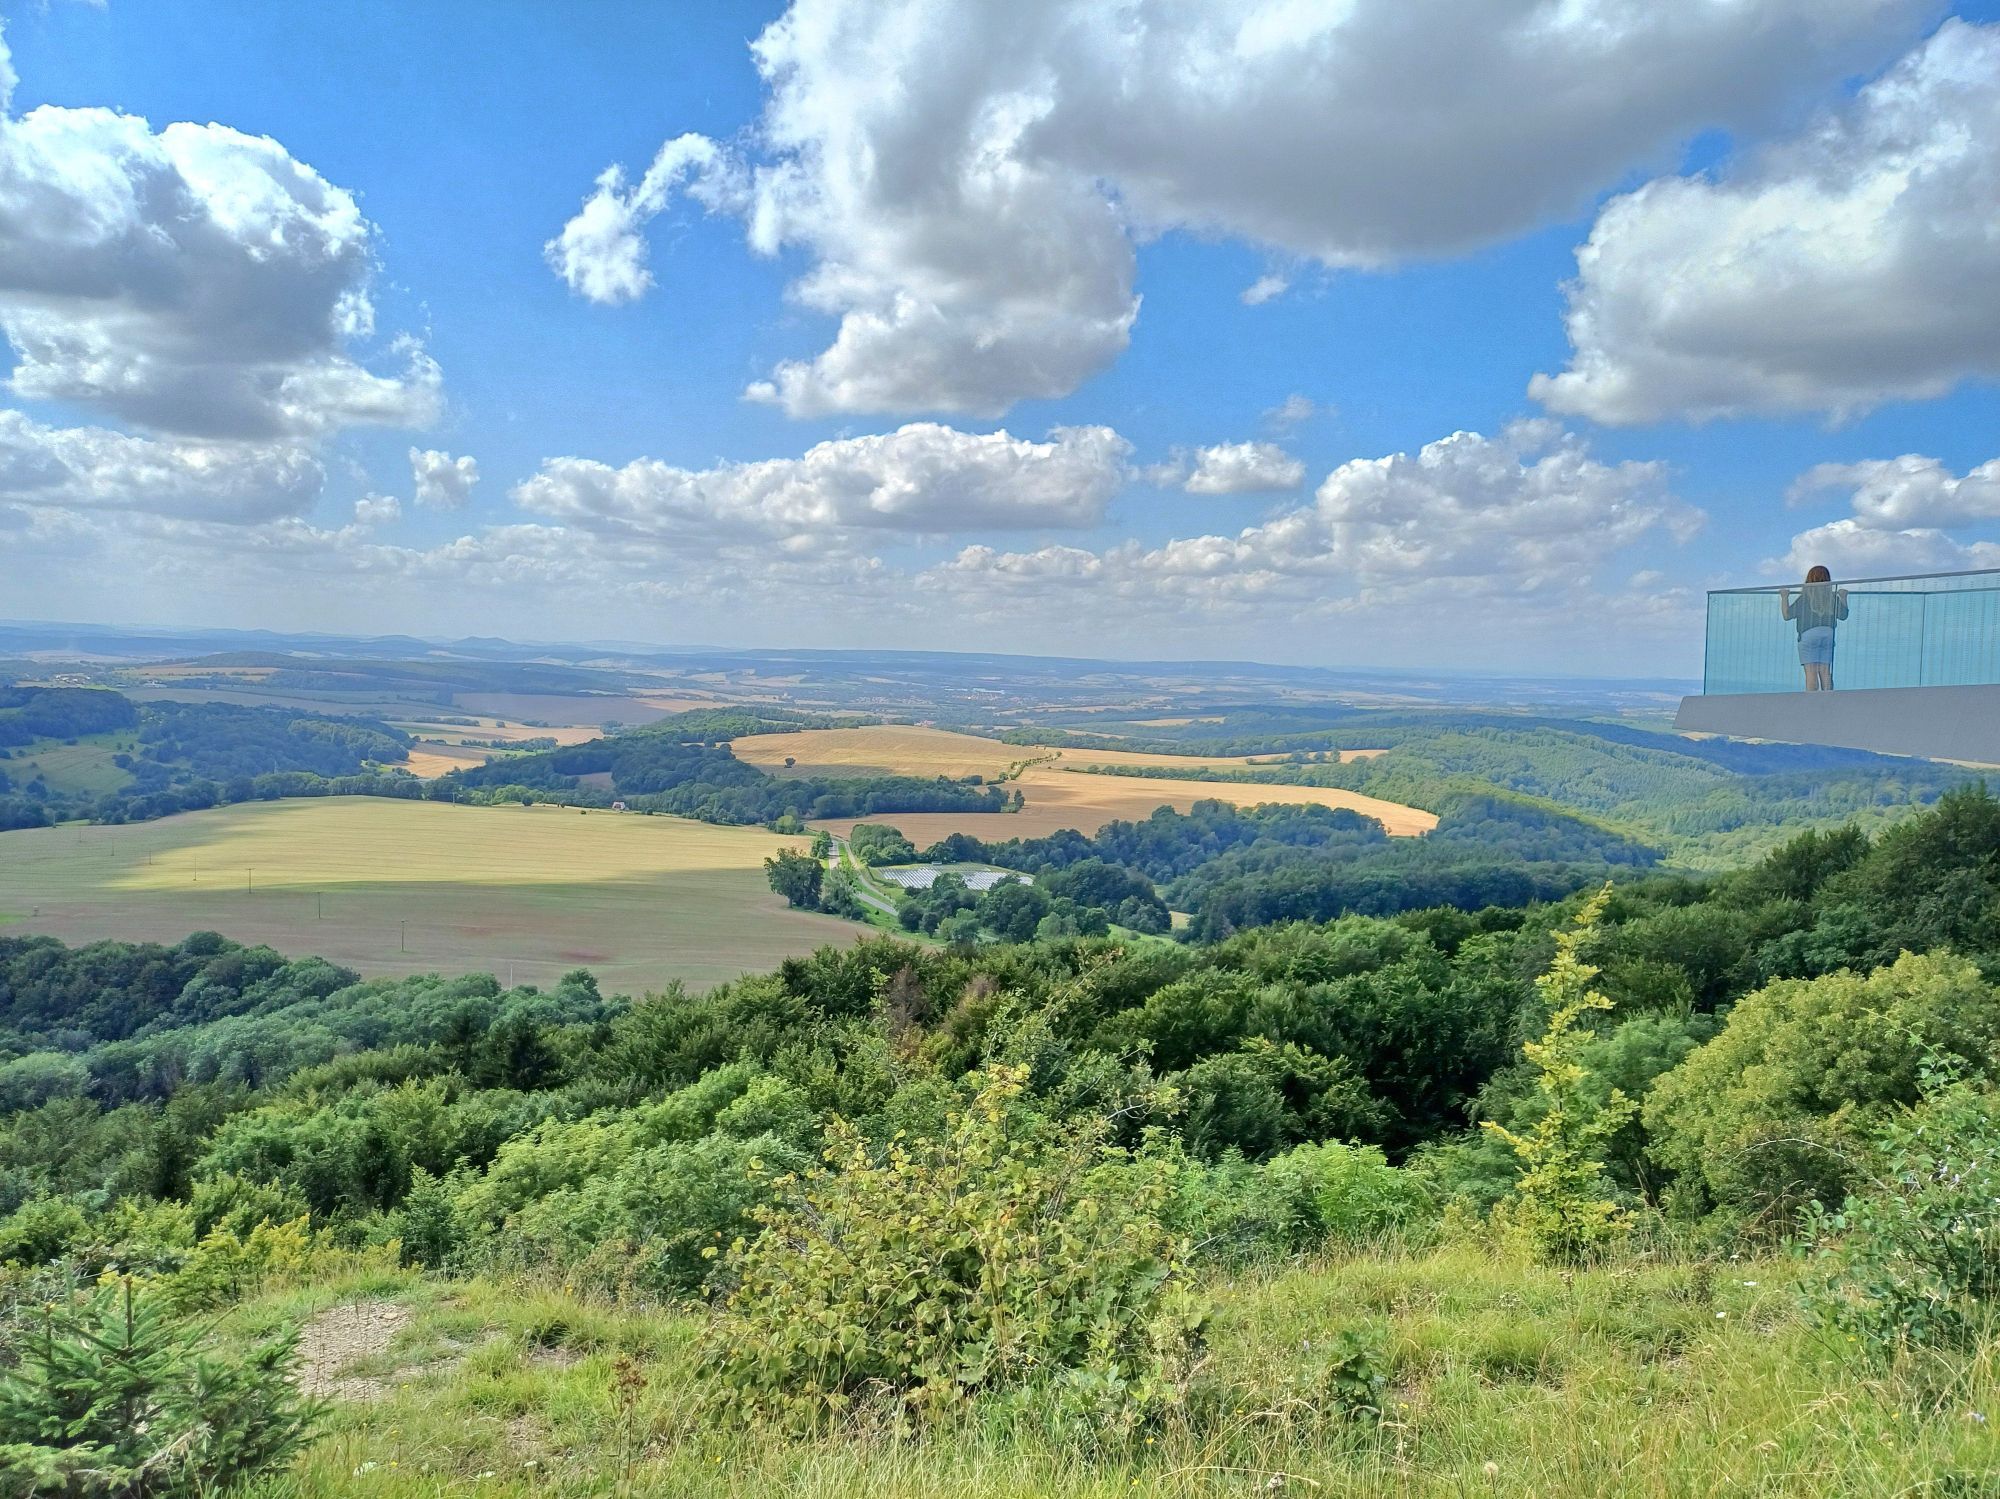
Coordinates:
(393, 887)
(84, 767)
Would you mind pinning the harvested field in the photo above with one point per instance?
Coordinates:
(905, 749)
(430, 760)
(1058, 799)
(392, 887)
(493, 728)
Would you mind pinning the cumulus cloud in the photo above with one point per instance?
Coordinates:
(194, 280)
(1911, 490)
(94, 469)
(922, 478)
(442, 481)
(1852, 265)
(1904, 510)
(375, 510)
(1853, 549)
(1467, 520)
(1229, 468)
(967, 182)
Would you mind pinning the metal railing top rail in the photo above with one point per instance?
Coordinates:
(1854, 583)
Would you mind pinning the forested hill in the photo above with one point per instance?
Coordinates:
(1706, 803)
(179, 757)
(683, 765)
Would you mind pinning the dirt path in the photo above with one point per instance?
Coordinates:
(341, 1337)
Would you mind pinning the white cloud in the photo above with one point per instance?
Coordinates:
(968, 181)
(375, 510)
(442, 481)
(91, 468)
(1294, 411)
(194, 280)
(1912, 490)
(1264, 289)
(601, 252)
(1904, 510)
(1852, 265)
(1244, 468)
(1467, 526)
(1853, 549)
(922, 478)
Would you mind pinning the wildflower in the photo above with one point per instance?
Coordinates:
(1490, 1468)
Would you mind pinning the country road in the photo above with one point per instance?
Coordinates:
(862, 887)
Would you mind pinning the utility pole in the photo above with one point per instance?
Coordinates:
(403, 941)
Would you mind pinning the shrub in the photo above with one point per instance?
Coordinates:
(1348, 1193)
(1913, 1259)
(113, 1399)
(1777, 1109)
(1013, 1252)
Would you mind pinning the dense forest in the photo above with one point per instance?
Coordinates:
(1232, 868)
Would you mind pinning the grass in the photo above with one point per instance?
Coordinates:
(1640, 1379)
(392, 887)
(1056, 796)
(83, 768)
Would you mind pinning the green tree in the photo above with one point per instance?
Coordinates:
(797, 877)
(113, 1399)
(1562, 1198)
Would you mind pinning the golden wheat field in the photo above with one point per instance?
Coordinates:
(390, 887)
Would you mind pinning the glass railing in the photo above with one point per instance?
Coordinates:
(1936, 630)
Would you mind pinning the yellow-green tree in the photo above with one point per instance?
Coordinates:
(1562, 1199)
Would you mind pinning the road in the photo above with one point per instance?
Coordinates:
(862, 885)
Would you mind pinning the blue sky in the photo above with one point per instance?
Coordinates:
(197, 415)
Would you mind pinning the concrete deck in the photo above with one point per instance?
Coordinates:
(1938, 723)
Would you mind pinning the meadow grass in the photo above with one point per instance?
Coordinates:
(1642, 1378)
(84, 768)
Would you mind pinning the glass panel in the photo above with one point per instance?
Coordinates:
(1934, 631)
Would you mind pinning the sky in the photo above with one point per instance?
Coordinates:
(1479, 334)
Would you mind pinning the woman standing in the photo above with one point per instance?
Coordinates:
(1818, 610)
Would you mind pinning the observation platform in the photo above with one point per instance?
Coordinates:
(1915, 668)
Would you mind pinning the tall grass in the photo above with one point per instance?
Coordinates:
(1650, 1376)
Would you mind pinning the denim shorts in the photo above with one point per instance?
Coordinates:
(1816, 646)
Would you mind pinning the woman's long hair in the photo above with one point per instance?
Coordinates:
(1819, 590)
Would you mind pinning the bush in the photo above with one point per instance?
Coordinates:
(113, 1399)
(1777, 1110)
(1914, 1259)
(1014, 1252)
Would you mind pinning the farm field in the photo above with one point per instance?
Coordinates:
(431, 760)
(908, 749)
(493, 728)
(394, 887)
(1058, 799)
(1057, 795)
